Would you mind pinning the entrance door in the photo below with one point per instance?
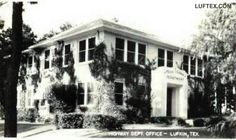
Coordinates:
(169, 101)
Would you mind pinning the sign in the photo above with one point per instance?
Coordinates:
(175, 74)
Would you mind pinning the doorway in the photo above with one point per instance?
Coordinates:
(169, 101)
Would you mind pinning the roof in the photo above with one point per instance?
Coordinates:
(108, 26)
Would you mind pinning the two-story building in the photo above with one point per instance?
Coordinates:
(169, 85)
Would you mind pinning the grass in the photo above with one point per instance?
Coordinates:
(21, 127)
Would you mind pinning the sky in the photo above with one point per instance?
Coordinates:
(172, 21)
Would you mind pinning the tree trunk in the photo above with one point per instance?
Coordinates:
(10, 129)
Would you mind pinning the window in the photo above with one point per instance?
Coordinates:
(120, 46)
(193, 67)
(81, 91)
(66, 54)
(169, 59)
(161, 57)
(29, 97)
(46, 62)
(91, 48)
(30, 62)
(141, 54)
(131, 52)
(119, 93)
(90, 93)
(82, 50)
(185, 63)
(199, 67)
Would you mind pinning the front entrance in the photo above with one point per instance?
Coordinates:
(169, 101)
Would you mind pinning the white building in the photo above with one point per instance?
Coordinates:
(169, 80)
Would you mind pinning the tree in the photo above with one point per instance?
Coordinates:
(10, 127)
(52, 33)
(217, 40)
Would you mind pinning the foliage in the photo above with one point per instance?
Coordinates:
(100, 121)
(224, 128)
(107, 69)
(169, 121)
(28, 115)
(62, 98)
(216, 40)
(70, 120)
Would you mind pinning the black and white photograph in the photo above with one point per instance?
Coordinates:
(73, 69)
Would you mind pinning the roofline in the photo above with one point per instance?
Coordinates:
(108, 26)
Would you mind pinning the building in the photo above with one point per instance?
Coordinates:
(169, 94)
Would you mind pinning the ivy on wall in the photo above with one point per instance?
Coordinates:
(105, 67)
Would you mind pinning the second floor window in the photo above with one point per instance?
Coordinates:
(161, 57)
(86, 49)
(141, 54)
(82, 50)
(30, 62)
(185, 63)
(199, 67)
(120, 47)
(47, 60)
(193, 67)
(67, 54)
(169, 59)
(131, 52)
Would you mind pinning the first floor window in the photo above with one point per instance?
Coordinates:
(90, 90)
(29, 97)
(161, 57)
(185, 63)
(119, 93)
(81, 92)
(193, 67)
(30, 62)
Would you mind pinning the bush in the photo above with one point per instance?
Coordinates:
(199, 122)
(168, 121)
(69, 120)
(100, 121)
(29, 115)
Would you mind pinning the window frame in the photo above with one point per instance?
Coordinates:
(64, 55)
(159, 58)
(123, 86)
(167, 60)
(86, 51)
(48, 59)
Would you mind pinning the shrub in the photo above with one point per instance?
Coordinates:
(169, 121)
(199, 122)
(69, 120)
(21, 114)
(31, 115)
(100, 121)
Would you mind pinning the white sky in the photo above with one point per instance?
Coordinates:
(171, 20)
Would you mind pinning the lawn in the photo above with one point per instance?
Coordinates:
(22, 127)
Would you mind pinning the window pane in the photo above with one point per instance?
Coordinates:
(90, 54)
(169, 63)
(131, 46)
(185, 68)
(90, 87)
(120, 43)
(142, 49)
(119, 99)
(160, 62)
(193, 72)
(30, 61)
(120, 55)
(161, 53)
(47, 53)
(141, 59)
(80, 99)
(185, 63)
(46, 64)
(82, 56)
(131, 57)
(91, 42)
(80, 96)
(118, 87)
(169, 55)
(67, 49)
(199, 67)
(185, 59)
(82, 45)
(90, 98)
(67, 58)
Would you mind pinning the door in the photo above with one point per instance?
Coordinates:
(169, 101)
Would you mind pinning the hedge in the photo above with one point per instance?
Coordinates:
(69, 120)
(100, 121)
